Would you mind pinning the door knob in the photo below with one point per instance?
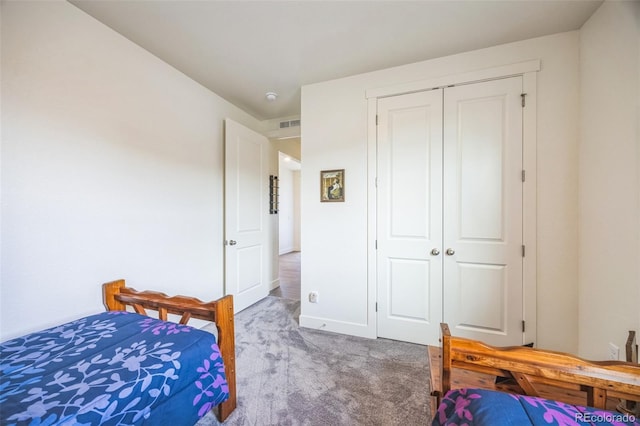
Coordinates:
(232, 242)
(435, 252)
(450, 252)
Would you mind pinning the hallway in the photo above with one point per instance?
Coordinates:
(289, 277)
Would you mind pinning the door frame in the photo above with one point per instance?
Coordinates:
(528, 70)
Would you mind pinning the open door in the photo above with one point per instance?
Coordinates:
(246, 214)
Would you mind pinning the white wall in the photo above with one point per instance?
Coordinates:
(285, 209)
(1, 139)
(609, 249)
(111, 168)
(289, 146)
(297, 219)
(334, 235)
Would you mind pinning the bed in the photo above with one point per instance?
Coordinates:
(122, 367)
(533, 372)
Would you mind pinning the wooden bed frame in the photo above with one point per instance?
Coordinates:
(533, 369)
(117, 296)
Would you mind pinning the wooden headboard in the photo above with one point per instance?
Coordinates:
(530, 367)
(117, 296)
(631, 347)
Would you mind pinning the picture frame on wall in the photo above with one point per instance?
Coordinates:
(332, 186)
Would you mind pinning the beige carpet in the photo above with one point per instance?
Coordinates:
(295, 376)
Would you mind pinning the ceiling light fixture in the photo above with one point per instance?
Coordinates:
(271, 96)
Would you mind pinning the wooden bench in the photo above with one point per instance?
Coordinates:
(466, 363)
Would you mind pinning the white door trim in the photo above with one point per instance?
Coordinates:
(530, 205)
(372, 216)
(529, 72)
(477, 76)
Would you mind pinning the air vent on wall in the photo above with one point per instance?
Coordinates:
(290, 123)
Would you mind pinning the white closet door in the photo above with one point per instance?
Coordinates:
(483, 284)
(410, 217)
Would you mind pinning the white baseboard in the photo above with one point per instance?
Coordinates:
(274, 284)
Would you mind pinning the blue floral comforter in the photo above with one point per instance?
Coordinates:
(114, 368)
(492, 408)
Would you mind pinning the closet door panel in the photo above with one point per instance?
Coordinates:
(483, 211)
(410, 217)
(481, 168)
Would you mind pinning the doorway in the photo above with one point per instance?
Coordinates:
(288, 227)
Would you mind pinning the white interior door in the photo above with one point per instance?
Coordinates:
(246, 177)
(410, 217)
(483, 285)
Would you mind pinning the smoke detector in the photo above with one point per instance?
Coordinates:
(271, 96)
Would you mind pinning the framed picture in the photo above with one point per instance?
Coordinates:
(332, 186)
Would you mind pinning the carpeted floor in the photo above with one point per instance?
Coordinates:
(295, 376)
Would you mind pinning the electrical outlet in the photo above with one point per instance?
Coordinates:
(614, 352)
(313, 297)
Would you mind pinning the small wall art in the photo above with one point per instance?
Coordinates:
(332, 186)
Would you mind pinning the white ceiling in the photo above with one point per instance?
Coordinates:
(288, 162)
(243, 49)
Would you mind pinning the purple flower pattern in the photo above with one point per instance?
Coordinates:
(167, 328)
(486, 407)
(109, 368)
(212, 376)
